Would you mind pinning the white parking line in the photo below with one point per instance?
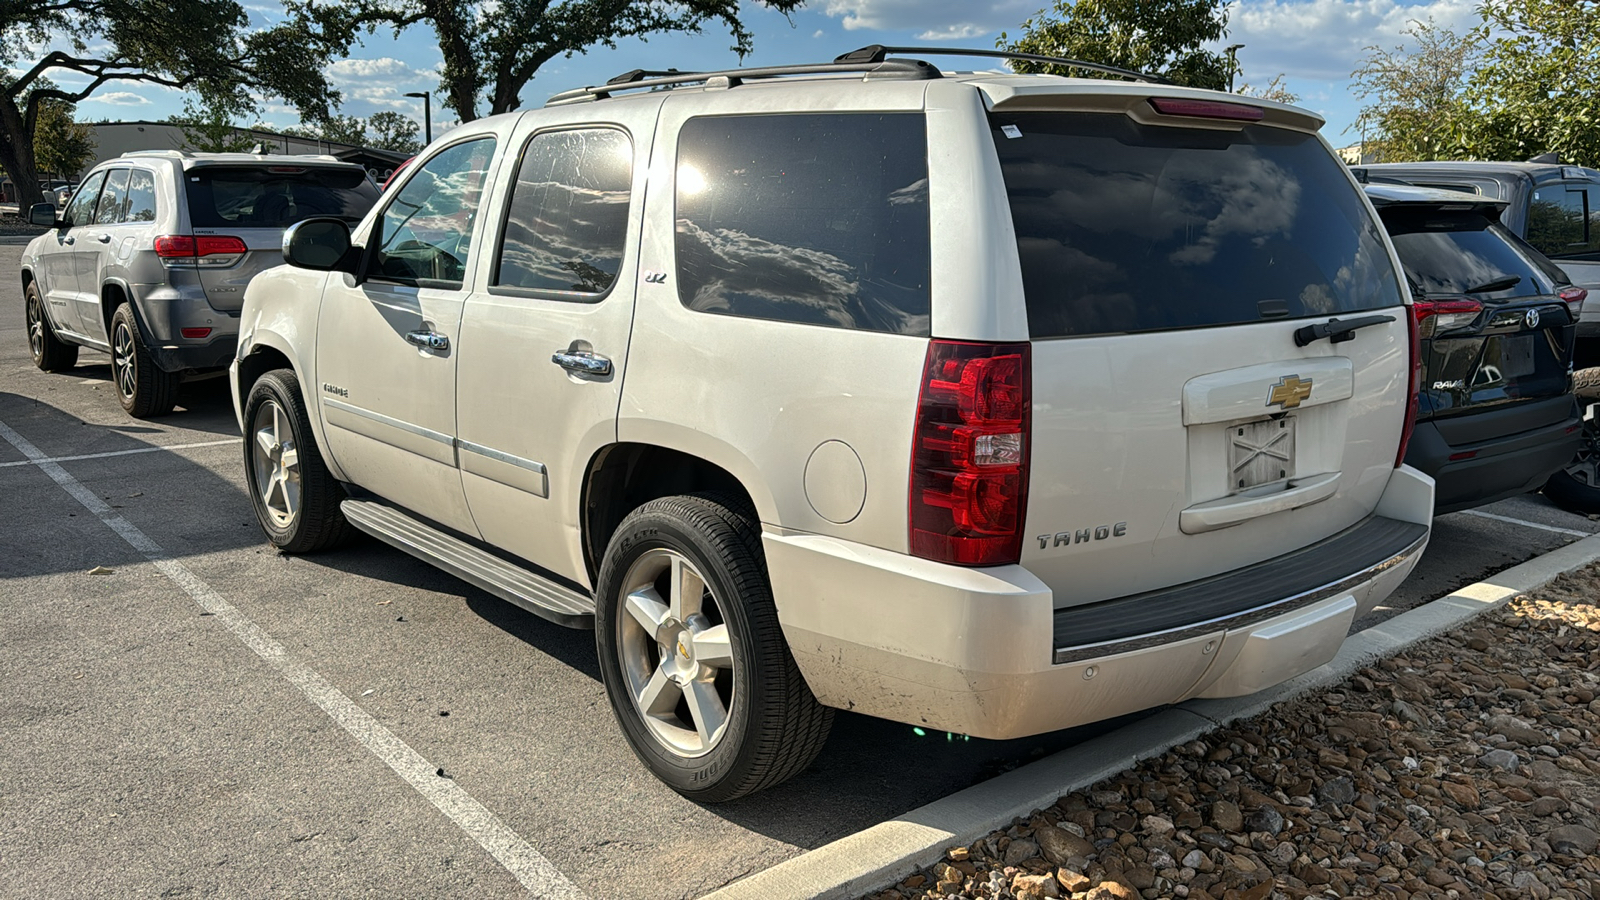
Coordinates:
(506, 846)
(1524, 522)
(62, 459)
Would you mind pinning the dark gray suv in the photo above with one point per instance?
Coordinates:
(149, 260)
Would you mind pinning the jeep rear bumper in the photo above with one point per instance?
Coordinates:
(983, 652)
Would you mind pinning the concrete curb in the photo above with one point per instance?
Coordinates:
(879, 856)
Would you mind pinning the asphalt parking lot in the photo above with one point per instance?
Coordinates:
(227, 721)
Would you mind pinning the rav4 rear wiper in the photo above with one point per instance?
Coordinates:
(1336, 331)
(1499, 284)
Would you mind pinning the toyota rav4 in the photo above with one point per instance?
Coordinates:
(988, 403)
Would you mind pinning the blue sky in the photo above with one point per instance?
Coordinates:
(1313, 43)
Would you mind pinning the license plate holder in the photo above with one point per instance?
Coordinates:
(1260, 453)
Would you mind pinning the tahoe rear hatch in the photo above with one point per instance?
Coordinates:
(1179, 429)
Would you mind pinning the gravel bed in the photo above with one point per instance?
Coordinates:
(1465, 768)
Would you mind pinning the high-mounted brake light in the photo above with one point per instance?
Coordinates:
(1573, 297)
(1207, 109)
(969, 454)
(208, 250)
(1434, 316)
(286, 170)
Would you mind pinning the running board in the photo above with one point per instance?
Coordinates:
(508, 581)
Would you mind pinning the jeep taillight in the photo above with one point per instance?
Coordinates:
(208, 250)
(969, 456)
(1414, 383)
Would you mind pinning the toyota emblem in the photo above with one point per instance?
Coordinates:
(1531, 318)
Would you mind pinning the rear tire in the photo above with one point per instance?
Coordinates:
(143, 388)
(1586, 384)
(1576, 488)
(295, 497)
(692, 656)
(50, 353)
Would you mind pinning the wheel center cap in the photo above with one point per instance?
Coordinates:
(685, 647)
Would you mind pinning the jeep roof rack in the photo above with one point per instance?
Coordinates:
(880, 53)
(641, 79)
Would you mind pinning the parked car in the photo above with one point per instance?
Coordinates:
(1096, 402)
(1496, 320)
(149, 260)
(1556, 209)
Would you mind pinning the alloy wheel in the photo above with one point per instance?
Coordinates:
(124, 360)
(676, 654)
(275, 463)
(35, 327)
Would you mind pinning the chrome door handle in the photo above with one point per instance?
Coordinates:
(428, 340)
(69, 239)
(103, 238)
(582, 362)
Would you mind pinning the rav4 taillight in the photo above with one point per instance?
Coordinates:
(969, 453)
(1414, 347)
(1573, 297)
(1433, 316)
(208, 250)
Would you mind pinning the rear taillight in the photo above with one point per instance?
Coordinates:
(208, 250)
(1207, 109)
(1414, 347)
(1433, 316)
(1573, 297)
(969, 454)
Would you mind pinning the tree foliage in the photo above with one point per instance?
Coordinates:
(1161, 37)
(60, 145)
(1523, 82)
(211, 129)
(493, 48)
(1272, 90)
(393, 131)
(204, 46)
(389, 130)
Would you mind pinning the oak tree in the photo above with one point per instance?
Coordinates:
(1160, 37)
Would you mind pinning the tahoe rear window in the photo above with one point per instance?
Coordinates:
(1124, 227)
(275, 196)
(1453, 252)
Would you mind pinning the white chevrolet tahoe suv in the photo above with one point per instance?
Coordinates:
(989, 403)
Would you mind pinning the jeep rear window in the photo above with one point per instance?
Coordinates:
(259, 197)
(1448, 253)
(820, 219)
(1123, 227)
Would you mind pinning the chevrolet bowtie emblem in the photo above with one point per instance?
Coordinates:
(1289, 392)
(683, 650)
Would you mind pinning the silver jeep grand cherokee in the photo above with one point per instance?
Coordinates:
(149, 259)
(983, 402)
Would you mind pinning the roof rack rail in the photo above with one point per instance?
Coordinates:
(879, 53)
(639, 79)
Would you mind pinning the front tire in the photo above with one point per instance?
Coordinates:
(692, 655)
(143, 388)
(295, 497)
(50, 353)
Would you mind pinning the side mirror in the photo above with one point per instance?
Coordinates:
(320, 244)
(43, 214)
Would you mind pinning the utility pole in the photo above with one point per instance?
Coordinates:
(1233, 62)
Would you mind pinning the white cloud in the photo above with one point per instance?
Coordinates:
(933, 19)
(119, 98)
(1326, 39)
(352, 71)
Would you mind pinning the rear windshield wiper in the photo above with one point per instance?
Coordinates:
(1337, 331)
(1499, 284)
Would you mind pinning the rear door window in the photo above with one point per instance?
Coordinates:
(141, 197)
(820, 219)
(568, 219)
(1452, 253)
(275, 196)
(1125, 228)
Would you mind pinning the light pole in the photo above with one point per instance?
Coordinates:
(427, 115)
(1233, 62)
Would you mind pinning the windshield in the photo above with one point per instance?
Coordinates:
(1124, 227)
(1455, 252)
(276, 196)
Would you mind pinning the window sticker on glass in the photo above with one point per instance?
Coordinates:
(1011, 131)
